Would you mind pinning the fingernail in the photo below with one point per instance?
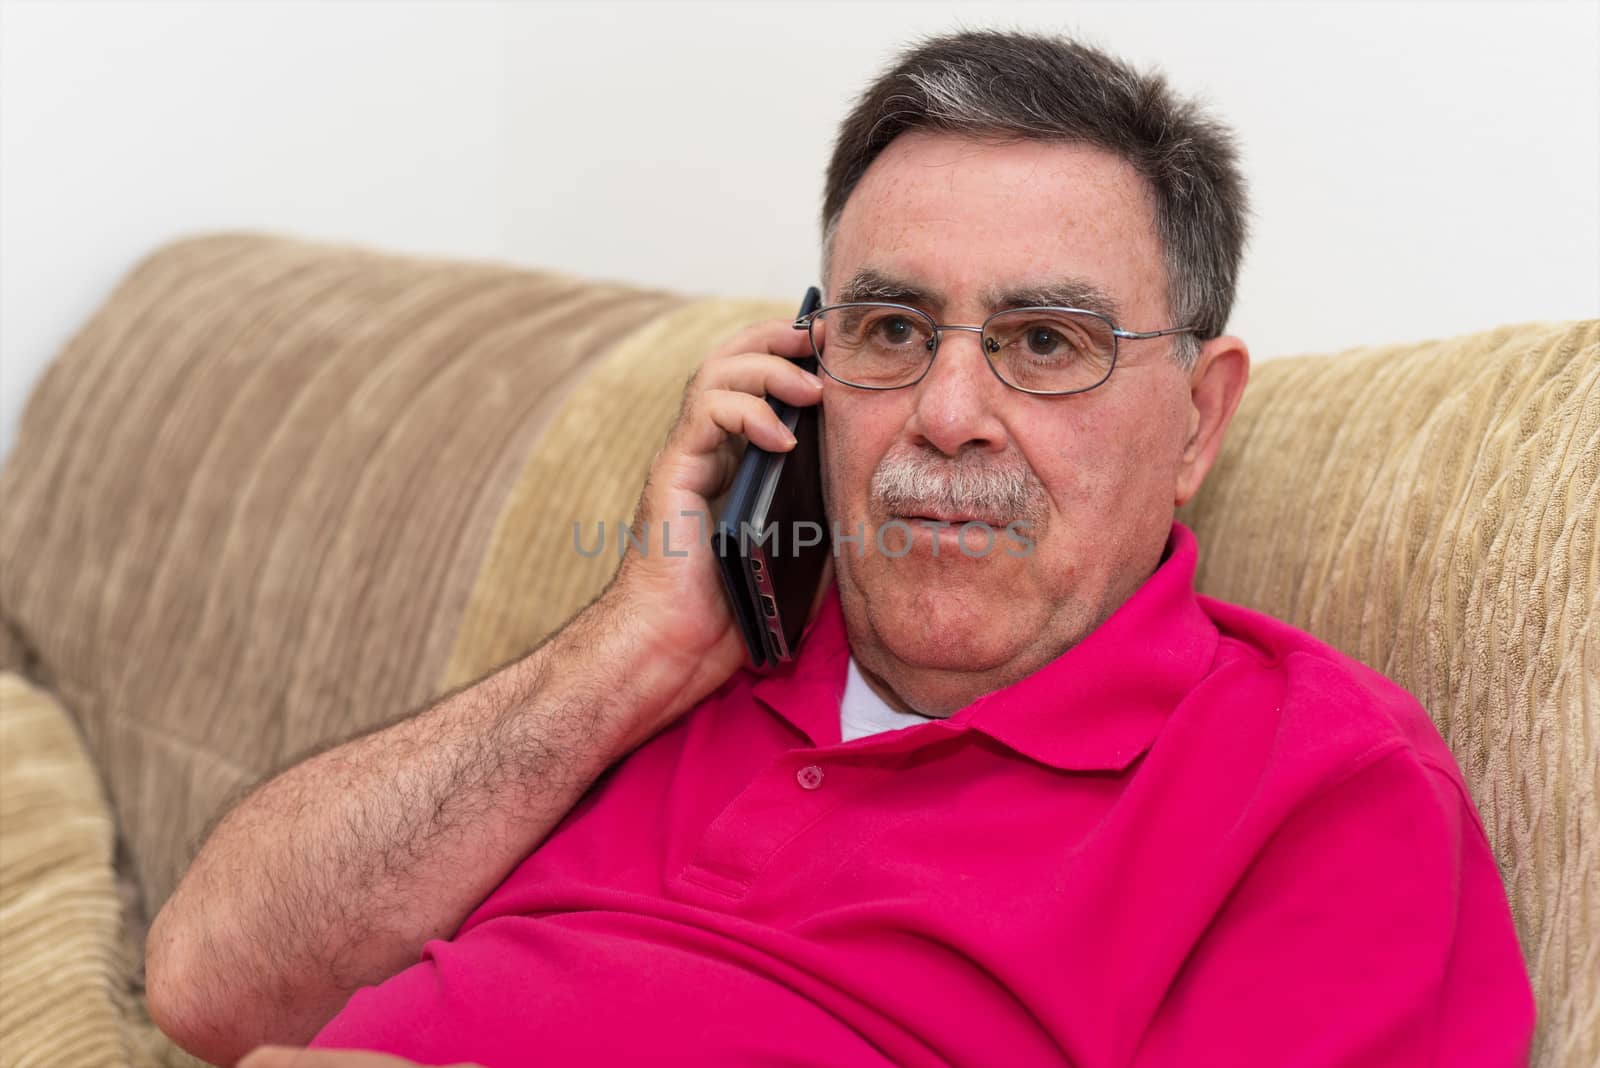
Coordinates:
(790, 436)
(813, 379)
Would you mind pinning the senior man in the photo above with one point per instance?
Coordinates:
(1005, 807)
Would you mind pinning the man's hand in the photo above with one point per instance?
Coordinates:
(296, 1057)
(680, 599)
(332, 875)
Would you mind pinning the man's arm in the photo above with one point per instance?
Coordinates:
(333, 875)
(1372, 930)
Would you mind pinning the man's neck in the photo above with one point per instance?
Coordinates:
(883, 690)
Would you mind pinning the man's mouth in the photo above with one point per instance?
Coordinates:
(954, 519)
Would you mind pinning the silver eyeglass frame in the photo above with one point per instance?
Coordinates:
(1118, 335)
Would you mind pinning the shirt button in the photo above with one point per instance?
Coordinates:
(809, 777)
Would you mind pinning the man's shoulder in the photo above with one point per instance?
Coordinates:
(1323, 710)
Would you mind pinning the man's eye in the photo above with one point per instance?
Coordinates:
(896, 330)
(1043, 341)
(1046, 342)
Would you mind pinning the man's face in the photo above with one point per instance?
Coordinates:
(962, 223)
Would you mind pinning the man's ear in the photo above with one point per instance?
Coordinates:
(1215, 385)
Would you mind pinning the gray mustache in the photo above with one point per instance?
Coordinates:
(917, 484)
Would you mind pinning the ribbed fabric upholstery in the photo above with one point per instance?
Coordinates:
(589, 470)
(65, 996)
(58, 902)
(249, 501)
(1431, 510)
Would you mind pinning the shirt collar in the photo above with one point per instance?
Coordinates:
(1096, 707)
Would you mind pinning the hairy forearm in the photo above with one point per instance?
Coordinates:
(332, 875)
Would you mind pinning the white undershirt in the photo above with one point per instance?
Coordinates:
(863, 712)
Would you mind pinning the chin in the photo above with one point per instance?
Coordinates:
(940, 615)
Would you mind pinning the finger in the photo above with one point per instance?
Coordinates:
(282, 1057)
(274, 1057)
(718, 413)
(295, 1057)
(264, 1057)
(775, 336)
(761, 374)
(707, 475)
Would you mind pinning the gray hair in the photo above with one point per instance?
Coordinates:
(1009, 84)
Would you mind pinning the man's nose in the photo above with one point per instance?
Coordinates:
(957, 400)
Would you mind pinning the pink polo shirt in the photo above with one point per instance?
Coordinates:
(1199, 837)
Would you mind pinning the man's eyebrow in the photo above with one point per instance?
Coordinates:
(1065, 293)
(871, 284)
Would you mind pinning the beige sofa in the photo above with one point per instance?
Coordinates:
(274, 492)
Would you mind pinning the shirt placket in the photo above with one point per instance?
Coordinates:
(796, 790)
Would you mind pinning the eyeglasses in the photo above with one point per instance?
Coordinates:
(1045, 351)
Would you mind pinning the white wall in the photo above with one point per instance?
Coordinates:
(1419, 169)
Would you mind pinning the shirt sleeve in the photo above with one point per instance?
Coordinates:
(1372, 929)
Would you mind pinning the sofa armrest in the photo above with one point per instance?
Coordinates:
(66, 969)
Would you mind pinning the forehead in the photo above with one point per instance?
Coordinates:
(965, 218)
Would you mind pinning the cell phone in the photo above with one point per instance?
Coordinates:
(772, 538)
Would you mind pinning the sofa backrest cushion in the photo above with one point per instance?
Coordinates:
(250, 500)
